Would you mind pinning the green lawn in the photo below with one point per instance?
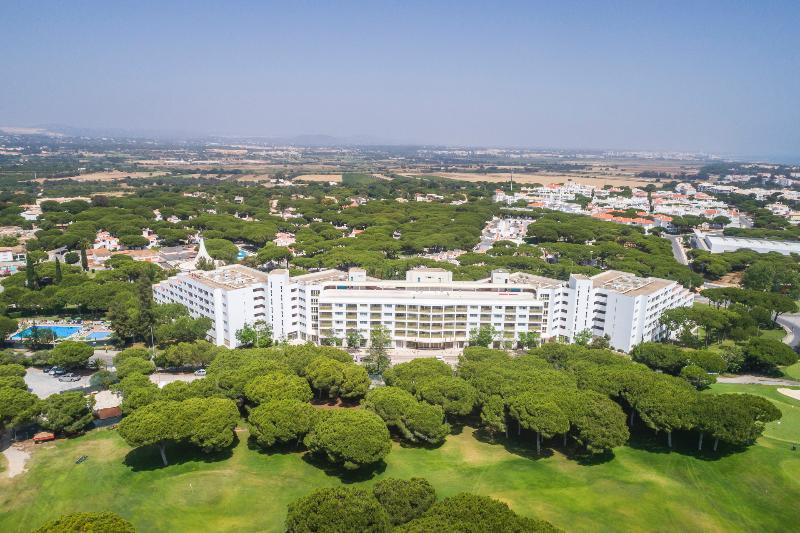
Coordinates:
(787, 429)
(358, 179)
(636, 490)
(792, 372)
(774, 334)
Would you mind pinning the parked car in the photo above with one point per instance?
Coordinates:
(57, 371)
(43, 436)
(69, 378)
(200, 372)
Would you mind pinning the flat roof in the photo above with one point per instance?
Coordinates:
(516, 279)
(520, 281)
(389, 294)
(628, 284)
(230, 276)
(323, 275)
(523, 278)
(745, 242)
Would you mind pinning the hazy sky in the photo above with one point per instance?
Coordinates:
(700, 75)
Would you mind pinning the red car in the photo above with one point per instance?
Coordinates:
(43, 436)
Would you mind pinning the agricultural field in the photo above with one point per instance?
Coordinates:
(642, 487)
(110, 175)
(546, 178)
(320, 177)
(614, 173)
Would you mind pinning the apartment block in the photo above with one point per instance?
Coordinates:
(427, 310)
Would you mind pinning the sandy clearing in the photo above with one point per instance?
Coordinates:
(163, 378)
(320, 177)
(791, 393)
(733, 279)
(16, 459)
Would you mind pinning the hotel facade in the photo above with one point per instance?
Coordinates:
(427, 310)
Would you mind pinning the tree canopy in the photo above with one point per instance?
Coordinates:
(281, 421)
(337, 509)
(404, 499)
(207, 423)
(352, 438)
(278, 386)
(67, 412)
(105, 522)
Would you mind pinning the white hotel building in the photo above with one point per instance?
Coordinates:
(428, 310)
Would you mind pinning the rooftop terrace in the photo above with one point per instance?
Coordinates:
(230, 277)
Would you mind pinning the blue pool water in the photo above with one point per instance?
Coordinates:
(59, 331)
(98, 335)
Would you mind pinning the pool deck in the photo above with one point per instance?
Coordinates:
(85, 328)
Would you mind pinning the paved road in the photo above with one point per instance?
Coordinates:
(756, 380)
(677, 248)
(791, 323)
(105, 356)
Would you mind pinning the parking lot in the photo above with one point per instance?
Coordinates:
(43, 385)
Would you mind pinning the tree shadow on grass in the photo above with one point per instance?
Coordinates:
(521, 446)
(359, 475)
(148, 457)
(683, 443)
(421, 445)
(457, 427)
(644, 439)
(482, 435)
(282, 448)
(584, 458)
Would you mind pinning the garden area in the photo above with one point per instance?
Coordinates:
(643, 487)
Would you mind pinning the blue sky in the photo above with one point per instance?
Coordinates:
(704, 76)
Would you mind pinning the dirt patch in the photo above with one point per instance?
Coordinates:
(16, 457)
(334, 404)
(791, 393)
(733, 279)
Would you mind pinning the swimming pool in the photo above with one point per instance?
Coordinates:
(60, 332)
(98, 335)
